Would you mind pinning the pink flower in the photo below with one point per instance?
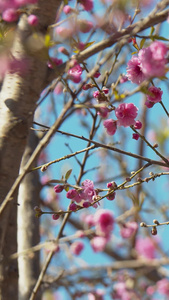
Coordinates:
(73, 194)
(87, 4)
(152, 60)
(89, 220)
(103, 112)
(145, 247)
(77, 247)
(33, 20)
(104, 221)
(135, 136)
(97, 74)
(111, 126)
(88, 190)
(138, 125)
(163, 286)
(123, 79)
(75, 73)
(111, 197)
(128, 229)
(126, 113)
(67, 9)
(55, 217)
(54, 62)
(134, 71)
(98, 243)
(10, 15)
(73, 206)
(58, 188)
(155, 94)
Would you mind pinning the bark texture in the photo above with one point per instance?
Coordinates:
(28, 225)
(18, 98)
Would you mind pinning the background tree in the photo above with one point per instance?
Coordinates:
(93, 75)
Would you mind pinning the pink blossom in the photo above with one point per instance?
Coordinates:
(88, 190)
(123, 79)
(138, 125)
(111, 126)
(134, 71)
(128, 229)
(54, 61)
(87, 4)
(73, 206)
(63, 50)
(155, 94)
(103, 112)
(67, 9)
(150, 290)
(111, 197)
(58, 188)
(97, 74)
(73, 194)
(145, 247)
(96, 94)
(63, 32)
(98, 243)
(149, 104)
(126, 113)
(75, 73)
(77, 247)
(163, 286)
(104, 221)
(89, 220)
(10, 15)
(135, 136)
(33, 20)
(55, 217)
(151, 65)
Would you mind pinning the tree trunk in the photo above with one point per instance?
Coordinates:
(17, 104)
(28, 225)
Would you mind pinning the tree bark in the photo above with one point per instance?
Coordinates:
(18, 98)
(28, 225)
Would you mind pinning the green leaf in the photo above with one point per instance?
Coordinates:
(152, 30)
(68, 173)
(142, 43)
(134, 52)
(66, 188)
(157, 37)
(65, 2)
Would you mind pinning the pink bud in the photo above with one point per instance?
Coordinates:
(33, 20)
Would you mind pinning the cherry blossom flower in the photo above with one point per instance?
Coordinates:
(128, 229)
(138, 125)
(58, 188)
(145, 247)
(126, 114)
(87, 4)
(104, 221)
(33, 20)
(163, 286)
(77, 247)
(155, 94)
(134, 71)
(98, 243)
(111, 126)
(135, 136)
(75, 73)
(10, 15)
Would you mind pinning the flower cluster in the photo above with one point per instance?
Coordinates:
(9, 8)
(86, 194)
(149, 63)
(126, 114)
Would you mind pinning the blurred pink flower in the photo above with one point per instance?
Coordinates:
(75, 73)
(87, 4)
(77, 247)
(98, 243)
(163, 286)
(128, 229)
(111, 126)
(145, 247)
(104, 221)
(126, 114)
